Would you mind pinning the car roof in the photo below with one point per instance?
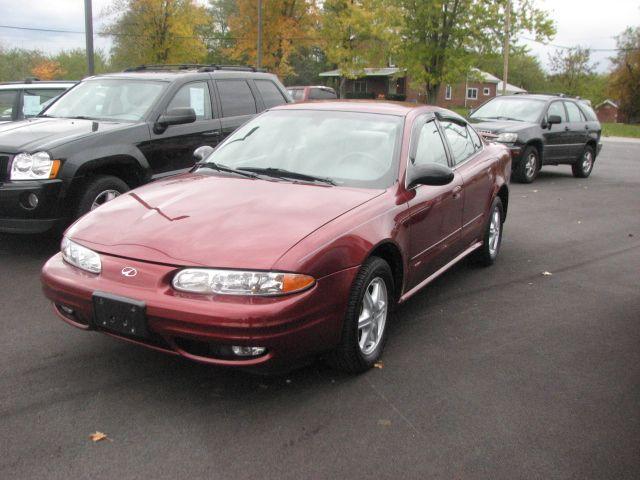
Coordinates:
(171, 75)
(540, 96)
(364, 106)
(37, 84)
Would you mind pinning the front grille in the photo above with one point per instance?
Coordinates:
(5, 160)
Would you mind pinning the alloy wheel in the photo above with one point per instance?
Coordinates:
(104, 197)
(373, 316)
(587, 162)
(530, 165)
(495, 230)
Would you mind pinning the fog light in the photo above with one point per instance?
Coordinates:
(247, 351)
(32, 200)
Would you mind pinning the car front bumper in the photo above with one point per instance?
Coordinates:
(198, 326)
(17, 216)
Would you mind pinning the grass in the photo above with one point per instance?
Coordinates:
(620, 130)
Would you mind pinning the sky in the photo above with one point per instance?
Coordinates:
(588, 23)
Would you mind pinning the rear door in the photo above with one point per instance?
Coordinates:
(556, 135)
(578, 130)
(435, 212)
(172, 150)
(237, 103)
(270, 94)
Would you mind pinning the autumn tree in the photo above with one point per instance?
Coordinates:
(358, 34)
(157, 31)
(625, 78)
(441, 38)
(48, 70)
(18, 63)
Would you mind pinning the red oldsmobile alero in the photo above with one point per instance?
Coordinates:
(295, 237)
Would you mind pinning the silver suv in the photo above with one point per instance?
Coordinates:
(20, 100)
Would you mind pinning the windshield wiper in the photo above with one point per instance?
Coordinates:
(223, 168)
(282, 173)
(81, 117)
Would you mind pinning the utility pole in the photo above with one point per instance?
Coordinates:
(505, 47)
(88, 33)
(259, 60)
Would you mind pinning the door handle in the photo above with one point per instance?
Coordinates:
(456, 192)
(212, 133)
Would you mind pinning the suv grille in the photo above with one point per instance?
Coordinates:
(5, 160)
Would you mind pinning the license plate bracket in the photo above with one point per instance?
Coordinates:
(121, 315)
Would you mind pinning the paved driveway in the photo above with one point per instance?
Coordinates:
(489, 373)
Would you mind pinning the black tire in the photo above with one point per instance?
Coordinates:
(349, 356)
(525, 172)
(584, 166)
(486, 255)
(96, 186)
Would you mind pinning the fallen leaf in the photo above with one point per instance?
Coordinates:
(547, 274)
(98, 436)
(579, 222)
(535, 191)
(378, 365)
(384, 422)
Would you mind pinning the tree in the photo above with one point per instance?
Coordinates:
(48, 70)
(220, 39)
(442, 37)
(18, 63)
(157, 31)
(359, 33)
(625, 78)
(287, 26)
(571, 67)
(74, 63)
(525, 70)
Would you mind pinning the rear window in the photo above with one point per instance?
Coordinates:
(236, 98)
(34, 101)
(321, 94)
(271, 95)
(7, 104)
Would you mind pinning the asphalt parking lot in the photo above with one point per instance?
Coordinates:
(489, 373)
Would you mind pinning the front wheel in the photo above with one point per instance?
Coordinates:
(527, 169)
(492, 239)
(364, 332)
(98, 191)
(584, 166)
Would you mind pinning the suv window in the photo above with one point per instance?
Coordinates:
(588, 112)
(460, 141)
(193, 95)
(33, 101)
(574, 112)
(236, 98)
(321, 94)
(556, 108)
(7, 104)
(430, 146)
(271, 95)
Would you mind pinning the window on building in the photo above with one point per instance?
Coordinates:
(472, 93)
(486, 91)
(447, 93)
(360, 86)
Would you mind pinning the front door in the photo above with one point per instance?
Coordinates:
(435, 212)
(171, 151)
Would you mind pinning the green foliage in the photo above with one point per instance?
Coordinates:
(74, 63)
(17, 63)
(219, 38)
(525, 70)
(620, 130)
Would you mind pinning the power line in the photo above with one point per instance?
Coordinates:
(565, 47)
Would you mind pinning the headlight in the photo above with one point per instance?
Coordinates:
(235, 282)
(507, 137)
(80, 256)
(38, 166)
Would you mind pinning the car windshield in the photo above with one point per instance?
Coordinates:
(509, 108)
(336, 147)
(107, 99)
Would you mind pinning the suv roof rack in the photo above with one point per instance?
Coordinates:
(200, 67)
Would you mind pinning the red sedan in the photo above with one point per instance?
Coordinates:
(295, 237)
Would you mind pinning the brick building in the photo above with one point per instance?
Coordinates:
(607, 111)
(393, 83)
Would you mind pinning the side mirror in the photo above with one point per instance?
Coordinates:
(554, 119)
(175, 116)
(429, 174)
(202, 152)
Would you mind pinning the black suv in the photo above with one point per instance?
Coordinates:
(542, 130)
(114, 132)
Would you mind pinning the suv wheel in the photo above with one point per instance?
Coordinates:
(529, 165)
(364, 332)
(584, 166)
(98, 191)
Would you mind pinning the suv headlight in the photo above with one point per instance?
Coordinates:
(38, 166)
(80, 256)
(236, 282)
(507, 138)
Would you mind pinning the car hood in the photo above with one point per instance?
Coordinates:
(501, 126)
(45, 133)
(214, 220)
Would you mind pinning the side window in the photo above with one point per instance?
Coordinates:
(193, 95)
(556, 108)
(430, 146)
(588, 112)
(460, 141)
(574, 112)
(33, 101)
(236, 98)
(7, 104)
(475, 138)
(270, 93)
